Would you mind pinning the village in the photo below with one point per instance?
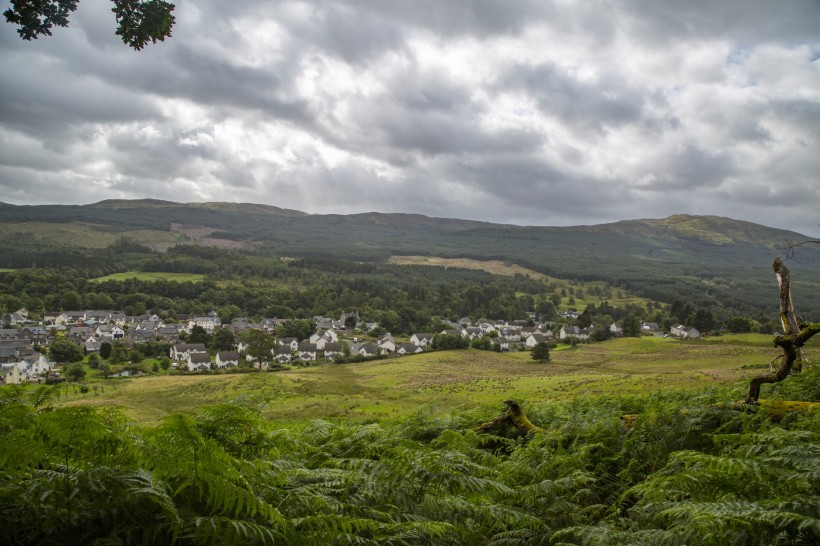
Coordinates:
(24, 345)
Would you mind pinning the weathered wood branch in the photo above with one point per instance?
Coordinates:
(513, 416)
(793, 338)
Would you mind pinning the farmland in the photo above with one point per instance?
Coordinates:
(446, 380)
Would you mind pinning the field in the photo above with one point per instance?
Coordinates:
(152, 276)
(396, 388)
(497, 267)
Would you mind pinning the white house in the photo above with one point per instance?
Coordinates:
(422, 340)
(408, 349)
(181, 351)
(282, 354)
(306, 351)
(364, 349)
(332, 350)
(387, 343)
(503, 343)
(199, 362)
(226, 359)
(208, 323)
(534, 339)
(12, 373)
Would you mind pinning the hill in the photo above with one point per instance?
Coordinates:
(713, 260)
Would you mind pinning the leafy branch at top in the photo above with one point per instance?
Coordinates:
(138, 21)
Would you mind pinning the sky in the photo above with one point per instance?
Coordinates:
(522, 112)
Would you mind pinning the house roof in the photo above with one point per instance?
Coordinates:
(199, 358)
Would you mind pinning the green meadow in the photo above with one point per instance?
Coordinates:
(446, 380)
(152, 276)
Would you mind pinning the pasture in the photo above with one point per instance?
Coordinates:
(444, 381)
(152, 276)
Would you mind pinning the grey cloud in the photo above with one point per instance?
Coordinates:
(593, 106)
(689, 168)
(739, 20)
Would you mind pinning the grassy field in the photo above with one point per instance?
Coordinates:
(496, 267)
(152, 276)
(446, 380)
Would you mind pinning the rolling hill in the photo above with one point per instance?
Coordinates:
(713, 259)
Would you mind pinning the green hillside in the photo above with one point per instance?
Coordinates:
(712, 260)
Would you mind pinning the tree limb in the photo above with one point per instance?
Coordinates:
(513, 416)
(794, 336)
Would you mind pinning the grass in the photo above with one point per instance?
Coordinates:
(152, 276)
(396, 388)
(497, 267)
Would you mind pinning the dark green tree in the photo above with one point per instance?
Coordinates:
(483, 343)
(105, 349)
(105, 370)
(75, 372)
(199, 335)
(259, 344)
(139, 21)
(119, 352)
(631, 326)
(739, 325)
(703, 320)
(63, 349)
(222, 340)
(165, 363)
(94, 360)
(541, 352)
(300, 329)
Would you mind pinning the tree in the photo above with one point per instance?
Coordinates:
(119, 352)
(300, 329)
(483, 343)
(541, 352)
(739, 325)
(63, 349)
(222, 340)
(165, 363)
(793, 338)
(105, 349)
(199, 335)
(139, 21)
(259, 344)
(631, 326)
(703, 320)
(75, 372)
(94, 361)
(105, 370)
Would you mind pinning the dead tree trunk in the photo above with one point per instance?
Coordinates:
(513, 416)
(793, 338)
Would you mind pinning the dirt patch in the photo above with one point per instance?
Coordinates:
(494, 267)
(200, 235)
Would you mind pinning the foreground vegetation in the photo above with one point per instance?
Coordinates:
(662, 468)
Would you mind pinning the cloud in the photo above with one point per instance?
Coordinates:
(526, 112)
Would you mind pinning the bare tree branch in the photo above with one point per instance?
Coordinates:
(793, 338)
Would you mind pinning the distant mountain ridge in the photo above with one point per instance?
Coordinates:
(652, 256)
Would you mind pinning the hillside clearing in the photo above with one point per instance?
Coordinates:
(152, 276)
